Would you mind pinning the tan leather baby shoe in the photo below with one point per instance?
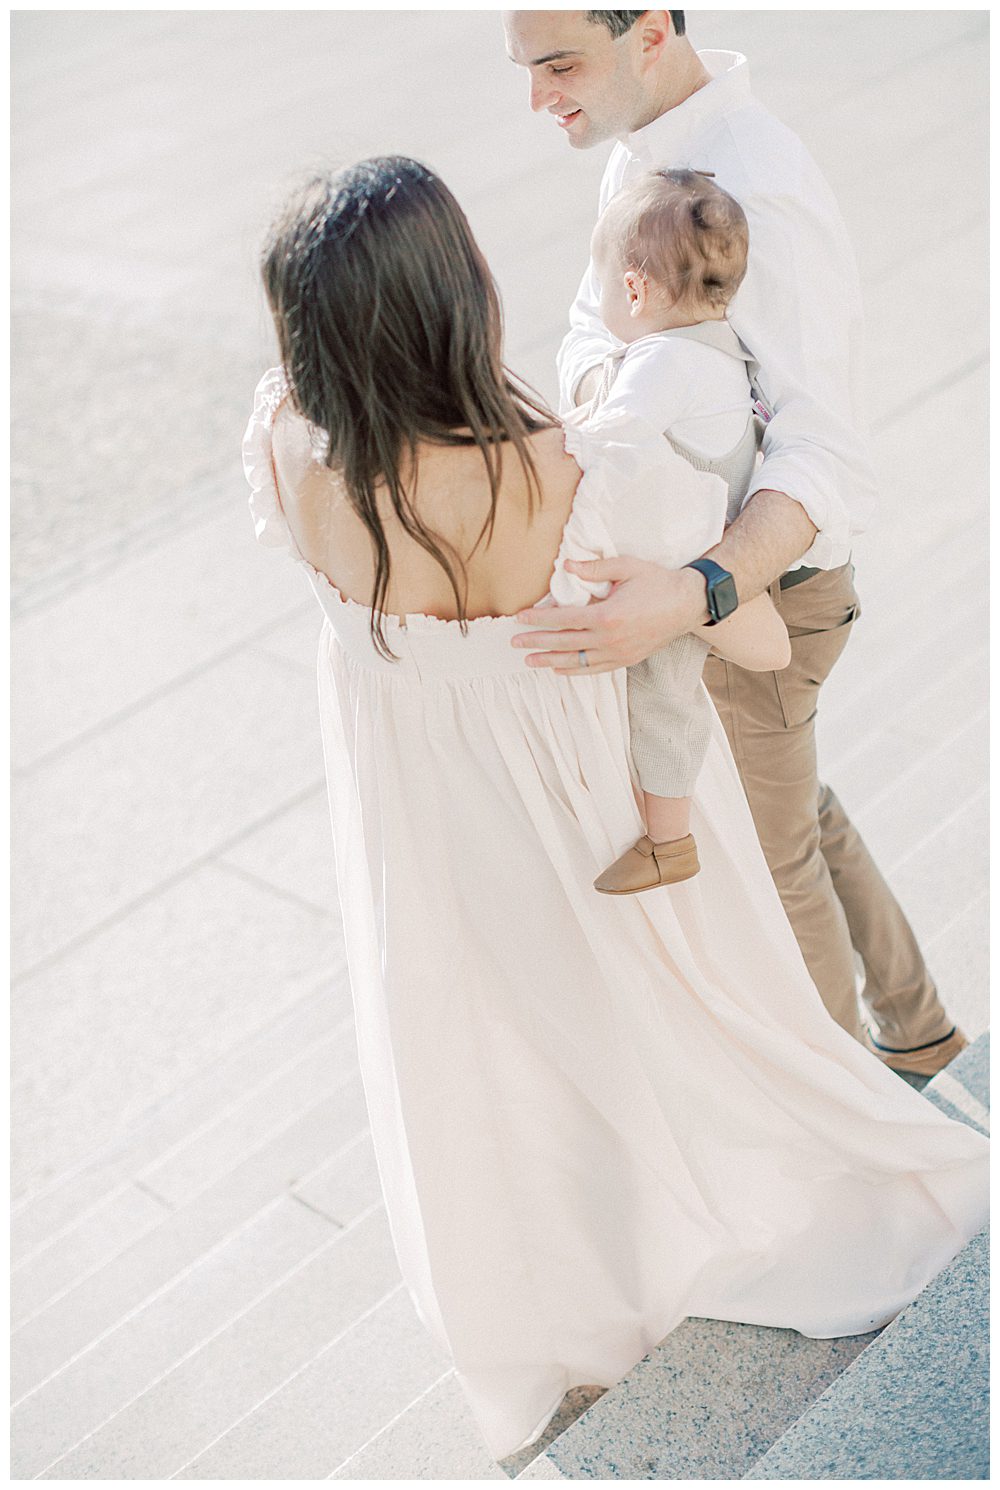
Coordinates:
(647, 865)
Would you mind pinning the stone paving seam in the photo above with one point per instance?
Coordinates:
(367, 1313)
(935, 658)
(834, 761)
(846, 763)
(336, 1085)
(111, 1195)
(949, 232)
(951, 1090)
(309, 1206)
(51, 959)
(154, 695)
(978, 900)
(184, 1272)
(263, 884)
(330, 1159)
(191, 1200)
(171, 1209)
(394, 1419)
(334, 1036)
(974, 365)
(801, 122)
(895, 825)
(970, 726)
(892, 866)
(115, 1146)
(94, 564)
(188, 1355)
(137, 1309)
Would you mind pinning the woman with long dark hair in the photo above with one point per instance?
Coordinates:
(591, 1117)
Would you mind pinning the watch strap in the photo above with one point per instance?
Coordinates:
(714, 574)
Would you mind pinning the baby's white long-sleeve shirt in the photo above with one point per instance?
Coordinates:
(696, 393)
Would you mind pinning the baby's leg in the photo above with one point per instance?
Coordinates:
(666, 817)
(670, 720)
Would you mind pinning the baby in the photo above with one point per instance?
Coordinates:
(670, 252)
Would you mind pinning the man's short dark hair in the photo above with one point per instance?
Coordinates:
(620, 21)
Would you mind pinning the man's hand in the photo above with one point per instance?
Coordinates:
(648, 606)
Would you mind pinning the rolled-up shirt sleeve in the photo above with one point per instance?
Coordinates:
(588, 340)
(799, 313)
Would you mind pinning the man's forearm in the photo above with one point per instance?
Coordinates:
(770, 533)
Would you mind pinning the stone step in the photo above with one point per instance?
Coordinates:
(152, 1340)
(931, 1362)
(290, 1331)
(716, 1400)
(72, 1201)
(962, 1089)
(153, 1262)
(930, 1365)
(705, 1404)
(190, 1167)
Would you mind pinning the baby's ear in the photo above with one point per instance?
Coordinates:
(635, 285)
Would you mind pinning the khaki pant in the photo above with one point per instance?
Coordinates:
(834, 896)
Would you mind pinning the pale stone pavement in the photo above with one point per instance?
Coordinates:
(204, 1282)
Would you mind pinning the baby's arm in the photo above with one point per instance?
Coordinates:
(652, 382)
(754, 636)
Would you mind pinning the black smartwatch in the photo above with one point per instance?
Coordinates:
(720, 591)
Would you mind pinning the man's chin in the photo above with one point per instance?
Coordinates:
(587, 136)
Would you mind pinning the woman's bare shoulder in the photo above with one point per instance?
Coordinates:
(291, 443)
(552, 459)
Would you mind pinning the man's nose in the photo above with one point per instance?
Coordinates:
(542, 94)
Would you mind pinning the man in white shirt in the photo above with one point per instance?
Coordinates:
(634, 76)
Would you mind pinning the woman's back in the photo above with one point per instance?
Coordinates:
(505, 571)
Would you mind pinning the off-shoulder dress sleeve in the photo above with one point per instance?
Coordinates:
(636, 497)
(270, 525)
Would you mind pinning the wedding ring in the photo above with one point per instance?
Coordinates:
(583, 658)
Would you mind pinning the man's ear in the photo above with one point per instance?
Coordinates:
(654, 30)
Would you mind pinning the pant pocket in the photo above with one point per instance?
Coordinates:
(814, 654)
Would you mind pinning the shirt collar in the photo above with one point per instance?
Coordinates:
(668, 137)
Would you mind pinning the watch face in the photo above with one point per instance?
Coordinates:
(724, 597)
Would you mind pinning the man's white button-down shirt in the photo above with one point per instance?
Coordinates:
(798, 310)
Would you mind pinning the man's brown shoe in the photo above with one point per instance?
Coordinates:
(647, 865)
(920, 1060)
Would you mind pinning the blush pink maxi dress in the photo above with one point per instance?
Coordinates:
(592, 1116)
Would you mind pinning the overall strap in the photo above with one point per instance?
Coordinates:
(721, 336)
(736, 466)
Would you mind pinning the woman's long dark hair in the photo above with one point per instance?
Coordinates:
(390, 330)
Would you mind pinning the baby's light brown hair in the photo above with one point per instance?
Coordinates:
(688, 236)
